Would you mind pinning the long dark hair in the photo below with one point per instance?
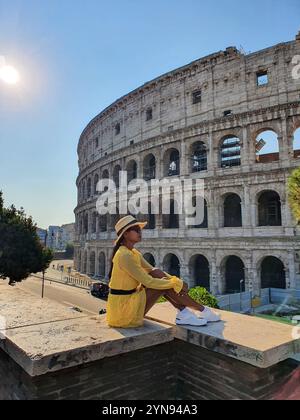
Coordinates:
(115, 250)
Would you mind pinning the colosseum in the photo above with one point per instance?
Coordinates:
(231, 119)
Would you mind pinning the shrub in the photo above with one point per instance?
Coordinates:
(200, 295)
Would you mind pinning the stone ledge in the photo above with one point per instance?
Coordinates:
(252, 340)
(44, 336)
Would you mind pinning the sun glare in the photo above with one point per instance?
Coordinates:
(9, 75)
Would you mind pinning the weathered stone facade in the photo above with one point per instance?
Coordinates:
(214, 100)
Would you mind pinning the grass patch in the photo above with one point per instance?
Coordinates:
(275, 318)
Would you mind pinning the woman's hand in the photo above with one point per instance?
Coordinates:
(185, 289)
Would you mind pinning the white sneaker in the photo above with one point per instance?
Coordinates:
(209, 315)
(187, 317)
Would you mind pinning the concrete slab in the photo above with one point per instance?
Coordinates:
(19, 309)
(55, 346)
(44, 336)
(256, 341)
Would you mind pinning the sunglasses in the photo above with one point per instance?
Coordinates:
(136, 229)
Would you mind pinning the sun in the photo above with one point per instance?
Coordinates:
(9, 75)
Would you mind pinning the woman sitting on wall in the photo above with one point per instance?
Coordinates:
(135, 286)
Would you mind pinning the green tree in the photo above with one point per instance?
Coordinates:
(294, 193)
(21, 252)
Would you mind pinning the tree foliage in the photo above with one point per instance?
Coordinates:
(21, 252)
(294, 193)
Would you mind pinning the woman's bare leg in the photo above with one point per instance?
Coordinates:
(184, 299)
(152, 296)
(179, 301)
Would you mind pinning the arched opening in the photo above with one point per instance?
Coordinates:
(96, 180)
(116, 175)
(94, 223)
(232, 211)
(131, 170)
(149, 167)
(296, 144)
(86, 223)
(269, 209)
(171, 221)
(172, 163)
(83, 191)
(148, 217)
(92, 266)
(81, 225)
(234, 275)
(103, 223)
(267, 147)
(198, 157)
(114, 218)
(171, 265)
(273, 273)
(150, 259)
(230, 152)
(102, 265)
(199, 270)
(105, 174)
(84, 268)
(204, 212)
(79, 262)
(89, 188)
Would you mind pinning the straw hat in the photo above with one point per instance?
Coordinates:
(126, 223)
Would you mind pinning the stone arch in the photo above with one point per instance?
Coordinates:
(103, 222)
(149, 217)
(105, 174)
(150, 258)
(272, 273)
(132, 170)
(149, 167)
(171, 221)
(230, 151)
(116, 174)
(102, 265)
(171, 162)
(269, 208)
(233, 274)
(203, 214)
(198, 157)
(96, 180)
(84, 268)
(92, 264)
(232, 210)
(86, 223)
(200, 271)
(89, 187)
(171, 264)
(94, 222)
(79, 262)
(267, 146)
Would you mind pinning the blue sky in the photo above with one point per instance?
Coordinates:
(76, 57)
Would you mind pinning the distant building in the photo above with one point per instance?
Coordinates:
(42, 234)
(68, 233)
(60, 236)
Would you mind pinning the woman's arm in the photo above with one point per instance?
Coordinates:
(128, 263)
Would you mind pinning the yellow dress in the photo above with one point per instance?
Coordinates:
(131, 271)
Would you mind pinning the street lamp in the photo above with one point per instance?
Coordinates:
(43, 281)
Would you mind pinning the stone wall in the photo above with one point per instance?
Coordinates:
(173, 371)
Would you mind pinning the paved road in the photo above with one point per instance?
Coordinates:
(67, 295)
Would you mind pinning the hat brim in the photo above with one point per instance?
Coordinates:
(142, 225)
